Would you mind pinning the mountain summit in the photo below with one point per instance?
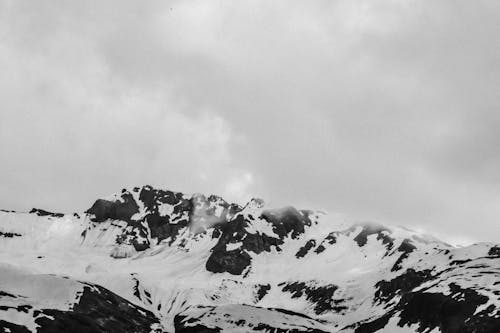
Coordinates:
(152, 260)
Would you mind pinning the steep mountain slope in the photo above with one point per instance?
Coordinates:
(199, 264)
(48, 303)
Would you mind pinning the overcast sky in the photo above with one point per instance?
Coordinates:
(382, 110)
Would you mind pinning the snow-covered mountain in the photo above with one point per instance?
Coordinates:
(149, 260)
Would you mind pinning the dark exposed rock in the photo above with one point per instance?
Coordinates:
(460, 262)
(161, 228)
(387, 240)
(453, 313)
(136, 235)
(330, 239)
(450, 313)
(262, 290)
(483, 321)
(320, 296)
(289, 312)
(320, 249)
(41, 212)
(140, 246)
(137, 293)
(12, 328)
(494, 251)
(152, 198)
(233, 262)
(9, 234)
(126, 207)
(19, 308)
(406, 247)
(165, 226)
(375, 325)
(6, 294)
(372, 229)
(305, 249)
(103, 210)
(401, 284)
(287, 221)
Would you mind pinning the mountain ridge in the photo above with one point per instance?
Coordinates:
(200, 263)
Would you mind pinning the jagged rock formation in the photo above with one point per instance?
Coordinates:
(191, 263)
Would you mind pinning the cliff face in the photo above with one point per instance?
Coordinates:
(168, 261)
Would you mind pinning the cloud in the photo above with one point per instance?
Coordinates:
(381, 110)
(237, 188)
(71, 130)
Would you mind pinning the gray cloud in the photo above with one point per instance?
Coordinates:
(380, 110)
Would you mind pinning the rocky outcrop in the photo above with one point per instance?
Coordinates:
(154, 215)
(321, 296)
(41, 212)
(238, 233)
(122, 209)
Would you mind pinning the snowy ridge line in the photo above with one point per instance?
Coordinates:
(170, 262)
